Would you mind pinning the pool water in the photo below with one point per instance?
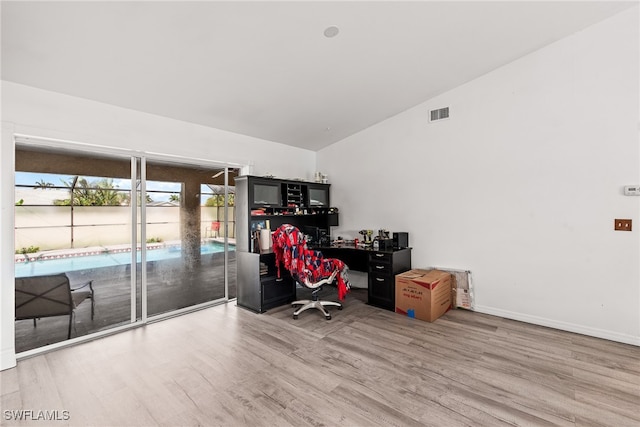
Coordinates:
(62, 265)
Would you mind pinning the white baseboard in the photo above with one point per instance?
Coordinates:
(563, 326)
(7, 358)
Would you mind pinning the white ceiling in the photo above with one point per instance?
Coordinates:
(264, 68)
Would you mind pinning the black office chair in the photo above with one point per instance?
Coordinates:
(309, 268)
(314, 302)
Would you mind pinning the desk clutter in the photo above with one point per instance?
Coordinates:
(264, 204)
(381, 242)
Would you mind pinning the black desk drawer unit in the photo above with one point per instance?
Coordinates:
(261, 292)
(277, 292)
(383, 267)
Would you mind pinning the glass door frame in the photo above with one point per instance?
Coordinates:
(135, 157)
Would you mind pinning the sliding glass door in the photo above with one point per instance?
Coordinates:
(184, 225)
(72, 217)
(151, 237)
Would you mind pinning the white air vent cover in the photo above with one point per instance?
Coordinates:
(439, 114)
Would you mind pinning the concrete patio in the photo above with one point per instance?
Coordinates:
(172, 285)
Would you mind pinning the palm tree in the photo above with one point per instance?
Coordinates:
(217, 200)
(98, 193)
(43, 184)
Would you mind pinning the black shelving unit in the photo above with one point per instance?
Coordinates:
(294, 197)
(268, 203)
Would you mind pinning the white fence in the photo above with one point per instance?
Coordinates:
(60, 227)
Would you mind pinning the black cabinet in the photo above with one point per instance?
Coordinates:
(277, 196)
(317, 195)
(259, 288)
(277, 291)
(268, 203)
(274, 290)
(263, 192)
(382, 269)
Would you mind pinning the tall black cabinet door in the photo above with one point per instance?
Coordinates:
(248, 281)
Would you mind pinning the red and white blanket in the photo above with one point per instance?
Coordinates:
(304, 264)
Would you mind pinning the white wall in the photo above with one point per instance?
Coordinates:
(43, 113)
(31, 111)
(521, 185)
(7, 348)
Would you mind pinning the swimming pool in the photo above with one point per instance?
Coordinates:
(105, 259)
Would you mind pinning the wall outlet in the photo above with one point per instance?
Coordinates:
(622, 225)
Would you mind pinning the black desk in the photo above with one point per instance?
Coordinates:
(381, 266)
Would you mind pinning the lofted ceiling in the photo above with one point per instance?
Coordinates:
(266, 69)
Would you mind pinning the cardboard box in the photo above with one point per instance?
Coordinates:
(423, 294)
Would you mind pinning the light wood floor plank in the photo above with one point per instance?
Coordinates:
(226, 366)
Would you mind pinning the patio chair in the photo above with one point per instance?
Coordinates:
(48, 296)
(215, 228)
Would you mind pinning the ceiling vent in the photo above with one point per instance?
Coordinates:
(439, 114)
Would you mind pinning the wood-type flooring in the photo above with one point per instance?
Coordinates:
(226, 366)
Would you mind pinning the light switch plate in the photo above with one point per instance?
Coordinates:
(632, 190)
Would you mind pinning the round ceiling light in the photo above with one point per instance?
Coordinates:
(331, 31)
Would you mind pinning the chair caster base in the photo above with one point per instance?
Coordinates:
(317, 304)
